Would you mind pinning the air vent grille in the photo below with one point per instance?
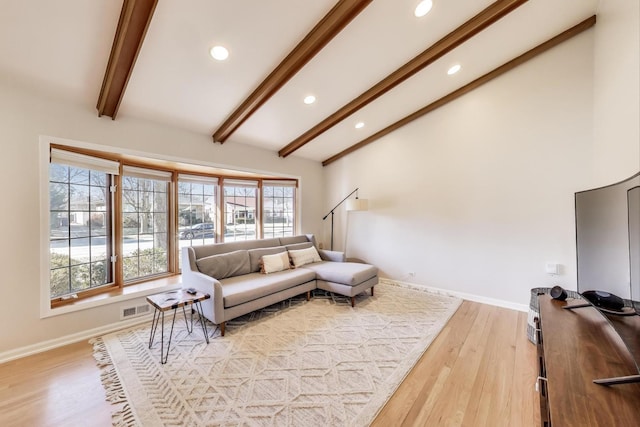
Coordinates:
(134, 311)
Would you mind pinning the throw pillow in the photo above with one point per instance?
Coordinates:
(274, 263)
(225, 265)
(304, 256)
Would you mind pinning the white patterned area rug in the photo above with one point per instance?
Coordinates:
(296, 363)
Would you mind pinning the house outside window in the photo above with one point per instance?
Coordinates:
(197, 211)
(278, 210)
(80, 218)
(240, 203)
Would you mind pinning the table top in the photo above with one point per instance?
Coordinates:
(580, 345)
(175, 299)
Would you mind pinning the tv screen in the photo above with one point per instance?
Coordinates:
(608, 255)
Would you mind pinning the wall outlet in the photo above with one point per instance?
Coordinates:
(552, 268)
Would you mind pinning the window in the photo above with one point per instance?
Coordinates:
(112, 224)
(240, 200)
(80, 218)
(197, 210)
(145, 222)
(278, 208)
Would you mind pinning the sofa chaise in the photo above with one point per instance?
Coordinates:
(241, 277)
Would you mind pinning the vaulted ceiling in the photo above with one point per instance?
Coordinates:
(368, 61)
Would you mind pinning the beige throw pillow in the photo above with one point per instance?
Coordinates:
(304, 256)
(273, 263)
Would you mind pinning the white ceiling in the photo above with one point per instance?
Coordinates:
(62, 47)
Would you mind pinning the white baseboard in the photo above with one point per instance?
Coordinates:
(465, 296)
(70, 339)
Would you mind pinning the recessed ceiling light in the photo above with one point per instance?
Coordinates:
(309, 99)
(219, 52)
(423, 8)
(359, 125)
(454, 69)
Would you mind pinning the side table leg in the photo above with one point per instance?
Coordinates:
(202, 320)
(186, 323)
(154, 326)
(165, 357)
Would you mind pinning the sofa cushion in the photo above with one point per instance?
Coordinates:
(290, 240)
(298, 246)
(242, 289)
(304, 256)
(223, 248)
(256, 254)
(225, 265)
(274, 263)
(347, 273)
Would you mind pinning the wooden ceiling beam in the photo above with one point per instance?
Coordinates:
(560, 38)
(482, 20)
(134, 21)
(338, 17)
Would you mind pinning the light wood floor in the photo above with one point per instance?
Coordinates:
(480, 371)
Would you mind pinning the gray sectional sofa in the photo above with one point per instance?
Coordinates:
(230, 273)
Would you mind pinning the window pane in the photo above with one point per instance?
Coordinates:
(98, 272)
(80, 277)
(278, 212)
(78, 175)
(240, 213)
(58, 196)
(160, 202)
(79, 221)
(59, 281)
(58, 173)
(97, 199)
(130, 267)
(144, 227)
(79, 251)
(197, 214)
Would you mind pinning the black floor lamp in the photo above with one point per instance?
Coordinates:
(352, 205)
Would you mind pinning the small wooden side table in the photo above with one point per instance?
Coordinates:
(172, 301)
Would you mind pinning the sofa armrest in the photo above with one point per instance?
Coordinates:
(335, 256)
(207, 285)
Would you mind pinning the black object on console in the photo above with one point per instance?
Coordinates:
(557, 292)
(605, 300)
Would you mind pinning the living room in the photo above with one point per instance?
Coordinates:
(472, 199)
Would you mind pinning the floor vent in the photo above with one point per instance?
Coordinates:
(135, 311)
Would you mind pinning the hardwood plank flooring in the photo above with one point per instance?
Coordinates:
(60, 387)
(479, 371)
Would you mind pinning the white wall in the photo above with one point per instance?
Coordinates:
(477, 196)
(23, 117)
(617, 91)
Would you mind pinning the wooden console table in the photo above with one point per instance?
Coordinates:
(574, 348)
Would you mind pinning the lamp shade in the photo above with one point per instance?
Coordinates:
(357, 204)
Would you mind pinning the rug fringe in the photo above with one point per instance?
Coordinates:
(114, 391)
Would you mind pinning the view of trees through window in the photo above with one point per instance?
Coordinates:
(79, 225)
(144, 227)
(161, 212)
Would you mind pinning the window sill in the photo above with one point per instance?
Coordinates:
(124, 294)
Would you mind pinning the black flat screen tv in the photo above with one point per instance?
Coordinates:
(608, 257)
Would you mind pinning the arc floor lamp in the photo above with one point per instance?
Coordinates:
(356, 204)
